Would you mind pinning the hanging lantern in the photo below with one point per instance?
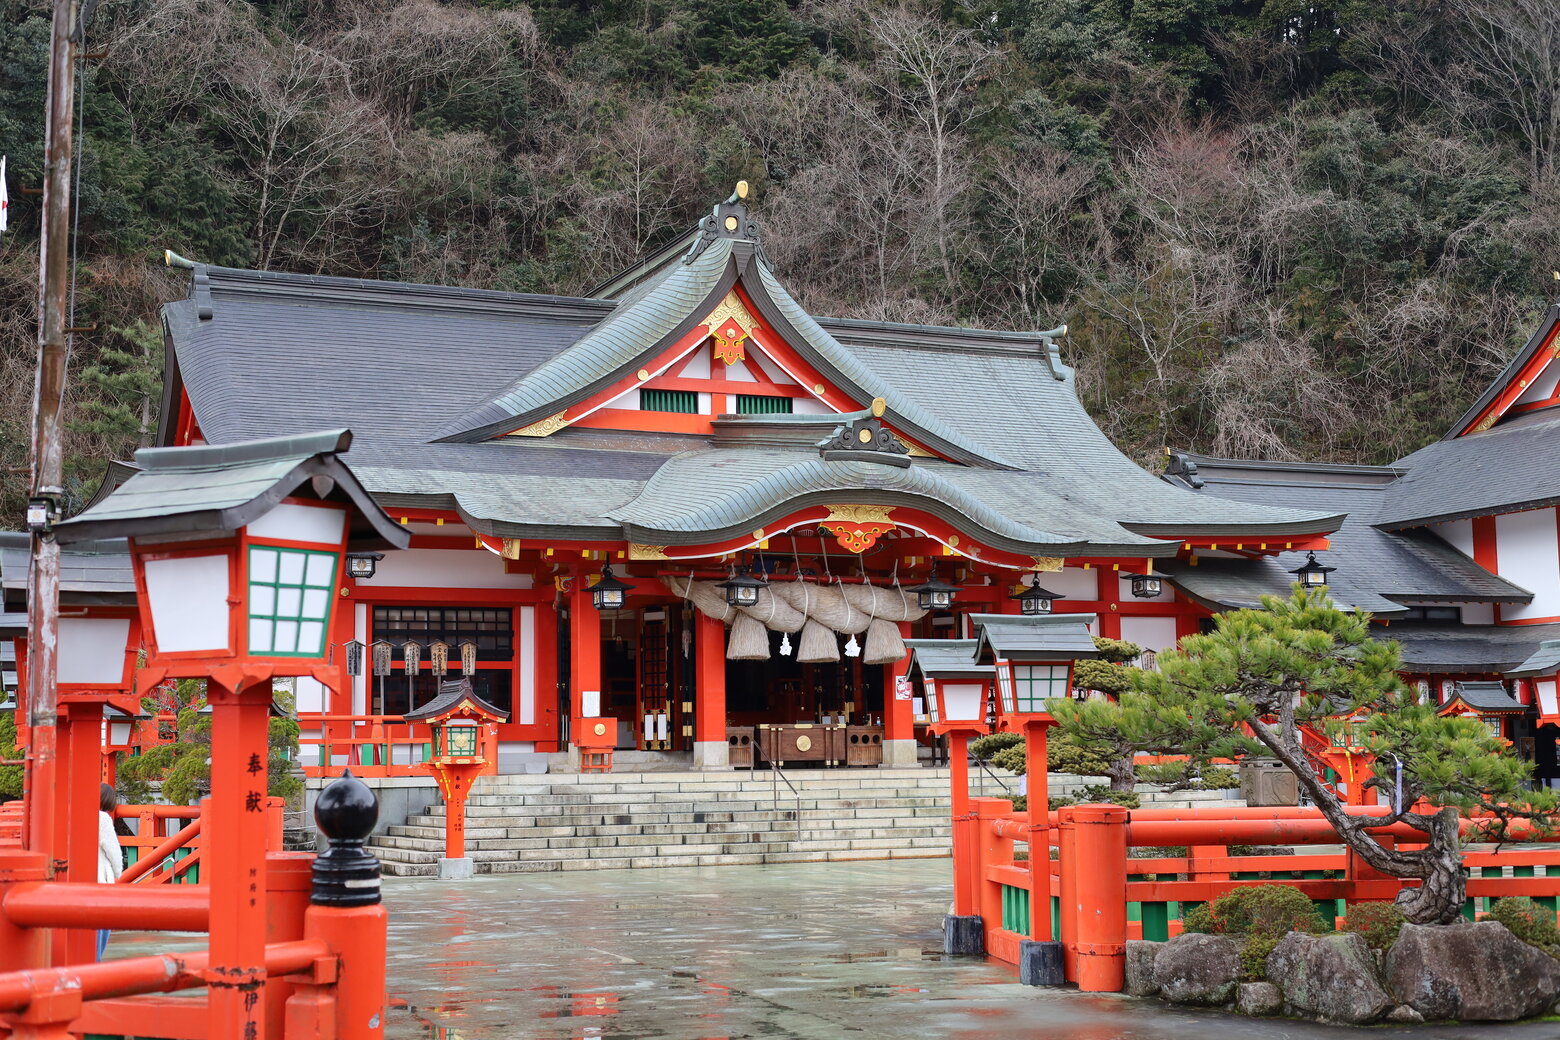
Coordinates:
(384, 653)
(355, 650)
(742, 588)
(1310, 574)
(361, 565)
(468, 657)
(609, 593)
(411, 652)
(1036, 601)
(1033, 660)
(933, 594)
(439, 658)
(1147, 586)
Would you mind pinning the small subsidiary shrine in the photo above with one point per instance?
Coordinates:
(687, 504)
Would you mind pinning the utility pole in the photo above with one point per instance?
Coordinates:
(43, 506)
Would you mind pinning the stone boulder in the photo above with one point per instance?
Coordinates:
(1330, 977)
(1198, 969)
(1141, 981)
(1471, 971)
(1259, 999)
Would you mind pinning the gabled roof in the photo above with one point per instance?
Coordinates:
(452, 696)
(1377, 570)
(1016, 637)
(1484, 697)
(91, 573)
(947, 659)
(1443, 649)
(1512, 467)
(226, 486)
(261, 353)
(1503, 391)
(1545, 660)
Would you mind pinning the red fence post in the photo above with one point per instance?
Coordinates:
(1097, 956)
(287, 879)
(1067, 857)
(345, 912)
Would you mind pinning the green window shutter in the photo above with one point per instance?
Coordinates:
(760, 404)
(685, 401)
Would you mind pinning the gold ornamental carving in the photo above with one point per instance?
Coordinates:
(730, 324)
(543, 427)
(858, 528)
(637, 551)
(511, 549)
(804, 743)
(1049, 563)
(1485, 423)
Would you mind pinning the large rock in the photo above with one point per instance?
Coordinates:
(1198, 969)
(1330, 977)
(1475, 972)
(1259, 999)
(1141, 979)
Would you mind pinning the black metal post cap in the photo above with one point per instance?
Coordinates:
(347, 874)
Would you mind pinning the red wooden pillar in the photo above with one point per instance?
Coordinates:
(545, 654)
(79, 769)
(235, 840)
(1110, 595)
(966, 854)
(1038, 798)
(584, 646)
(1098, 953)
(899, 748)
(710, 750)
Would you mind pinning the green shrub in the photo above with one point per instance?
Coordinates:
(10, 776)
(1103, 793)
(1379, 923)
(1260, 915)
(1529, 921)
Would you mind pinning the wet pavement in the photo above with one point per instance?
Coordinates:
(808, 951)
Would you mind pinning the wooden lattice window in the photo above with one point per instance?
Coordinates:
(761, 404)
(685, 401)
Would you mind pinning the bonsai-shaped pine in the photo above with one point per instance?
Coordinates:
(1302, 660)
(1096, 738)
(183, 766)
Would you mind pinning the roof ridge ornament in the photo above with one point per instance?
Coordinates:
(729, 219)
(863, 438)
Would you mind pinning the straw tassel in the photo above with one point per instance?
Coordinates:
(748, 641)
(884, 643)
(817, 644)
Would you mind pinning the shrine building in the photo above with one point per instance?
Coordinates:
(685, 504)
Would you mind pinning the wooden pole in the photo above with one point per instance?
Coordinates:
(1038, 798)
(43, 601)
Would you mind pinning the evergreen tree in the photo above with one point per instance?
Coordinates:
(1302, 660)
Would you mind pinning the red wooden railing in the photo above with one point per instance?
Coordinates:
(1099, 897)
(373, 745)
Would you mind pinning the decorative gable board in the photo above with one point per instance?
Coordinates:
(1530, 383)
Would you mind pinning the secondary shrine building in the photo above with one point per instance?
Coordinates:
(584, 477)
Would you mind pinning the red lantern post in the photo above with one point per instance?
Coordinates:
(464, 747)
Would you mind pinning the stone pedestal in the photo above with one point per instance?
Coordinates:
(456, 869)
(1040, 963)
(899, 754)
(711, 755)
(964, 935)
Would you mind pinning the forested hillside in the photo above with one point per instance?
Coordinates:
(1288, 229)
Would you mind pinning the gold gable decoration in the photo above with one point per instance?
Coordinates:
(636, 551)
(730, 323)
(544, 427)
(858, 528)
(1049, 563)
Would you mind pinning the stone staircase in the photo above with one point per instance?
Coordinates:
(524, 823)
(592, 821)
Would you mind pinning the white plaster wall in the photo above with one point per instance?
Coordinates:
(1458, 534)
(766, 365)
(525, 654)
(1072, 582)
(360, 682)
(445, 568)
(738, 372)
(1151, 633)
(810, 406)
(1527, 548)
(310, 694)
(698, 365)
(1542, 388)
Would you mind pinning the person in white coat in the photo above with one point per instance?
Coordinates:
(110, 860)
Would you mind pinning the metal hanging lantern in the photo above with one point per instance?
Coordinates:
(932, 594)
(742, 588)
(1147, 586)
(468, 657)
(609, 593)
(1311, 574)
(439, 658)
(384, 653)
(361, 565)
(1036, 601)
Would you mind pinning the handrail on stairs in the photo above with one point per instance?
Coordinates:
(776, 774)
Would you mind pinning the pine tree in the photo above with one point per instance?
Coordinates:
(1302, 660)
